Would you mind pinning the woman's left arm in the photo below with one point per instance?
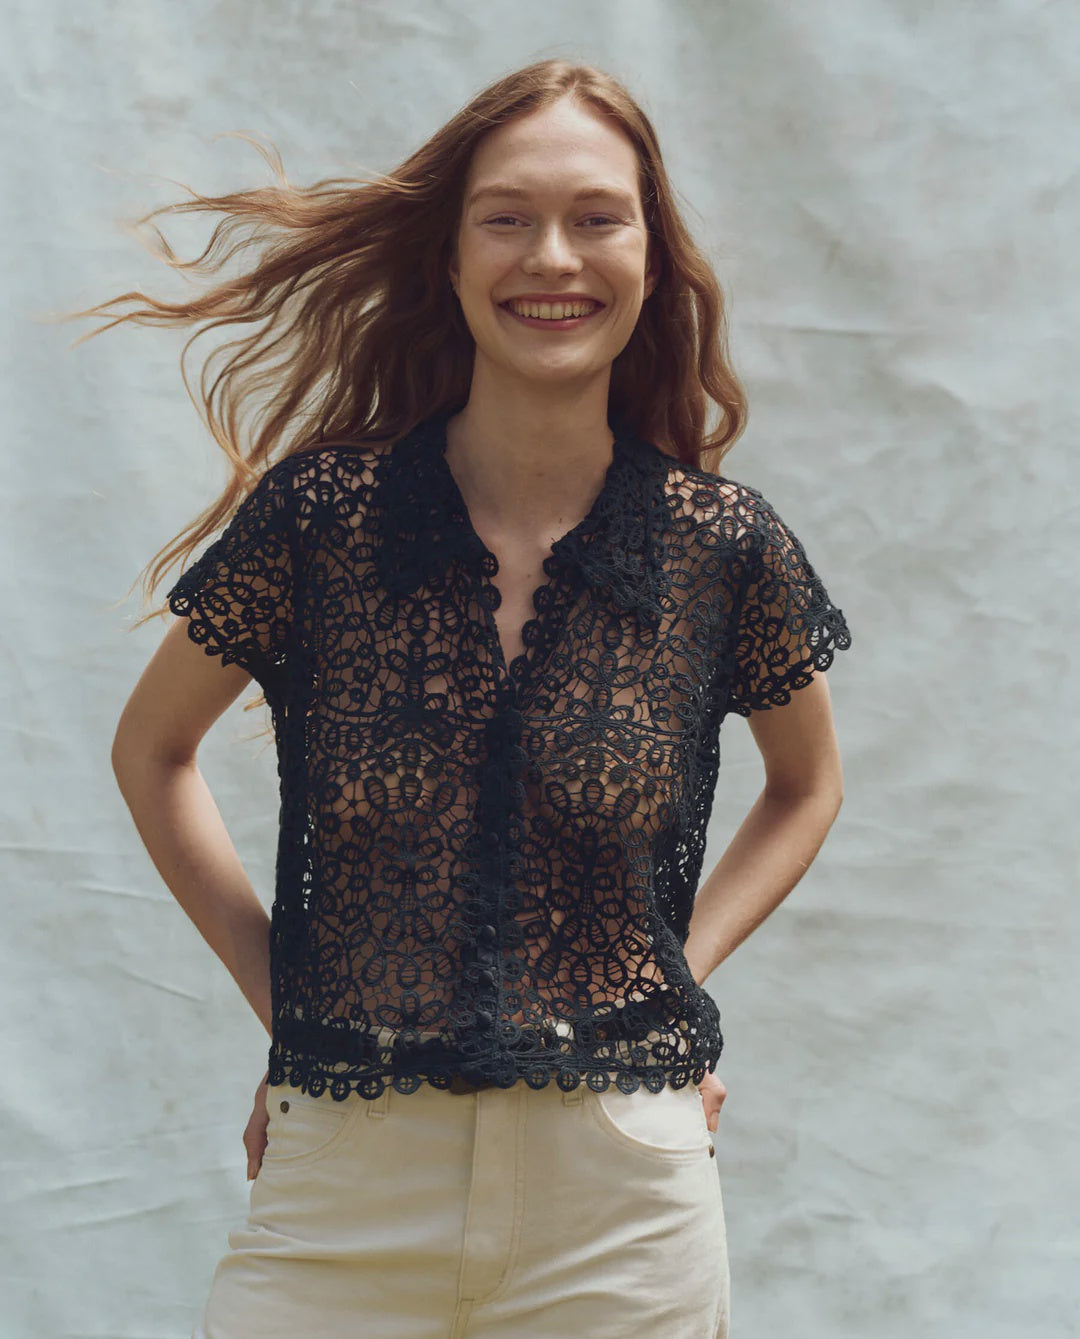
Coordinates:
(782, 833)
(776, 843)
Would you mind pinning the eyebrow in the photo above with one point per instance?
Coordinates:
(587, 193)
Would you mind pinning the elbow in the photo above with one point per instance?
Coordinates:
(139, 751)
(126, 751)
(139, 765)
(130, 757)
(824, 793)
(117, 753)
(123, 758)
(830, 793)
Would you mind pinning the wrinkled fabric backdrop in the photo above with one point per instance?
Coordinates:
(889, 194)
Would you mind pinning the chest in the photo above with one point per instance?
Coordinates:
(597, 719)
(464, 648)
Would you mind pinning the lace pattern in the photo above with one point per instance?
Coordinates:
(484, 868)
(788, 627)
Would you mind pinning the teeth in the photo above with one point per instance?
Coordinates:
(552, 311)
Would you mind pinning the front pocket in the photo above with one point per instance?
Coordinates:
(670, 1123)
(302, 1127)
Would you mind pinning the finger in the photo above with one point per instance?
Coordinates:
(254, 1164)
(254, 1141)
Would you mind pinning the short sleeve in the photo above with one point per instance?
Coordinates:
(238, 596)
(788, 626)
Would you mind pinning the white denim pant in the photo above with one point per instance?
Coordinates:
(506, 1213)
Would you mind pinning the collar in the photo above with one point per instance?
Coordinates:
(422, 524)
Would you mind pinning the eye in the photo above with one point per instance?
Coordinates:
(603, 219)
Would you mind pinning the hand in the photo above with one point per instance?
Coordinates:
(255, 1133)
(712, 1092)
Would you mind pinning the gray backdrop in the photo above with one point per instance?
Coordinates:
(889, 193)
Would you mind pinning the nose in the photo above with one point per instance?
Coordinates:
(552, 252)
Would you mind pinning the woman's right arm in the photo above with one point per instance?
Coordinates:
(180, 694)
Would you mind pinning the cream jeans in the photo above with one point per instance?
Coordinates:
(507, 1213)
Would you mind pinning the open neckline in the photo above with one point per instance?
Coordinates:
(517, 668)
(587, 521)
(422, 530)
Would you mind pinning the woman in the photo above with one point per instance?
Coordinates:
(498, 627)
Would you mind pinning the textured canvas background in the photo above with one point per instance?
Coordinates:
(889, 192)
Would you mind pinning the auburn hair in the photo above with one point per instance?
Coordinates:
(359, 334)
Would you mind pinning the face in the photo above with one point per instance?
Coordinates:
(530, 235)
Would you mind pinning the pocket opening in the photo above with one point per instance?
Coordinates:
(670, 1123)
(301, 1127)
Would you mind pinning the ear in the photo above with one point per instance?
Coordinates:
(652, 277)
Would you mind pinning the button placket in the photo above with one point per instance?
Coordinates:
(497, 818)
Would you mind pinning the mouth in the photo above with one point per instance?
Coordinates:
(547, 322)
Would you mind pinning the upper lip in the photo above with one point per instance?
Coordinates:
(553, 297)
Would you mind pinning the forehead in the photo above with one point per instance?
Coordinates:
(564, 148)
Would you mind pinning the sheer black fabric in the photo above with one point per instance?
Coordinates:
(489, 869)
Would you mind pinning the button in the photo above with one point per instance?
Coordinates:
(284, 1106)
(487, 934)
(486, 977)
(712, 1151)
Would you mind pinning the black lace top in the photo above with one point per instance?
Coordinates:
(489, 869)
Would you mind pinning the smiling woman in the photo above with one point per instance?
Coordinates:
(499, 602)
(557, 163)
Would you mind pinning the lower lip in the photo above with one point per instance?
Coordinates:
(568, 323)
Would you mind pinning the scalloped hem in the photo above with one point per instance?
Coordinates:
(535, 1075)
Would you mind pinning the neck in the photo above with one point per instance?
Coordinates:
(525, 472)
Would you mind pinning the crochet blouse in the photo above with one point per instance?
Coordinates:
(487, 869)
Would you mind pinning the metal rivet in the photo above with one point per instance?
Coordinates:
(284, 1106)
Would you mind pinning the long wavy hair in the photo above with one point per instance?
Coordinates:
(360, 335)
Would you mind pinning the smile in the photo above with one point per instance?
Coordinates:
(549, 322)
